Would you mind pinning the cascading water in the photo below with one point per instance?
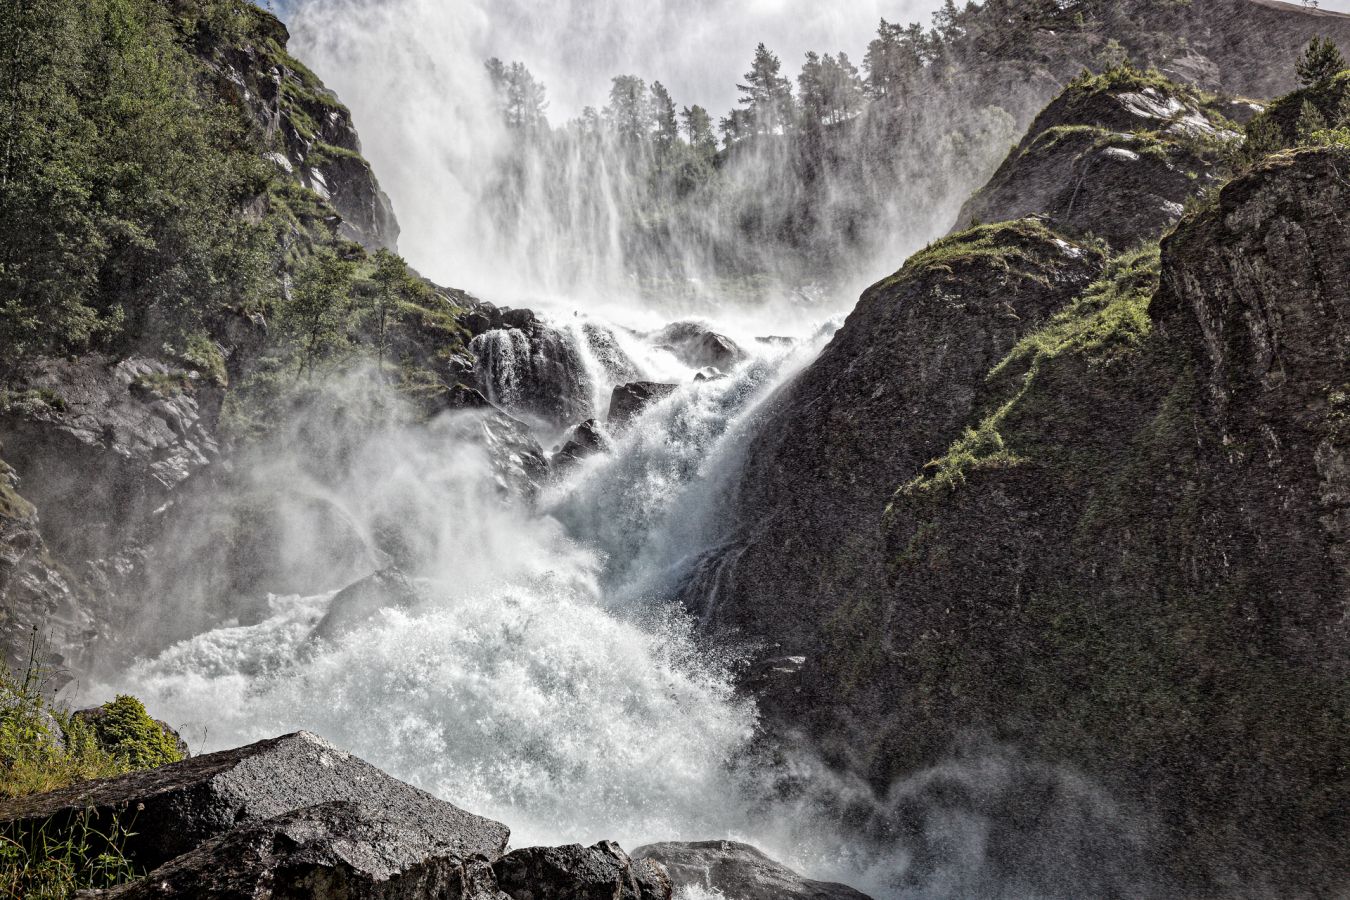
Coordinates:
(543, 681)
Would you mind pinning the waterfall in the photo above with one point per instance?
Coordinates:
(543, 678)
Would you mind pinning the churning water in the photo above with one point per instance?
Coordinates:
(544, 681)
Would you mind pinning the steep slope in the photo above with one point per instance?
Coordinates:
(1136, 558)
(1129, 557)
(196, 297)
(1118, 156)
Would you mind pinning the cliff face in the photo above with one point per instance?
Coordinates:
(1128, 554)
(1117, 156)
(108, 447)
(306, 128)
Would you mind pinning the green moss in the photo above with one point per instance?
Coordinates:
(321, 153)
(32, 401)
(1125, 77)
(12, 506)
(165, 385)
(126, 732)
(205, 355)
(1108, 322)
(1007, 245)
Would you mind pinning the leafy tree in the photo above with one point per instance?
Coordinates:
(121, 181)
(317, 315)
(394, 286)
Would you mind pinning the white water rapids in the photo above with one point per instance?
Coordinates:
(545, 683)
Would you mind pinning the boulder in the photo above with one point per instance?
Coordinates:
(697, 346)
(176, 808)
(586, 440)
(342, 850)
(533, 371)
(601, 872)
(386, 589)
(710, 373)
(628, 400)
(739, 871)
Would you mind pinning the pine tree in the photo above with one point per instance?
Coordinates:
(628, 112)
(698, 129)
(1310, 122)
(766, 94)
(1321, 62)
(665, 120)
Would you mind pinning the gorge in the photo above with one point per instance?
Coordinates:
(1023, 576)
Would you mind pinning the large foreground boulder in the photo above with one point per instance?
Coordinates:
(174, 809)
(738, 871)
(574, 872)
(333, 850)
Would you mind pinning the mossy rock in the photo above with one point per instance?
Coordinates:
(124, 730)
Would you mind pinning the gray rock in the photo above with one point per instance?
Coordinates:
(1118, 162)
(341, 850)
(386, 589)
(698, 346)
(739, 871)
(601, 872)
(178, 807)
(586, 440)
(533, 371)
(629, 400)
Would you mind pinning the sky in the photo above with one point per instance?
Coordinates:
(698, 48)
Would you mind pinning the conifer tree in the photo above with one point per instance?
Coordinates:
(1321, 62)
(766, 94)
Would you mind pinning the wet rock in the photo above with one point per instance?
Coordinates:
(303, 119)
(387, 589)
(342, 850)
(739, 871)
(604, 346)
(711, 373)
(518, 461)
(629, 400)
(1118, 161)
(36, 595)
(586, 440)
(101, 444)
(601, 872)
(176, 808)
(533, 371)
(697, 346)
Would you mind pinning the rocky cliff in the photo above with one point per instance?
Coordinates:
(1118, 538)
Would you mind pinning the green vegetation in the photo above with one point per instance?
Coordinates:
(138, 212)
(1007, 245)
(120, 181)
(1108, 323)
(1317, 115)
(44, 747)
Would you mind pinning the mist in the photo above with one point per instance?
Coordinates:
(566, 219)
